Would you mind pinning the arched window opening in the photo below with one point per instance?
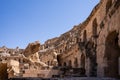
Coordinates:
(94, 29)
(76, 62)
(84, 36)
(64, 64)
(48, 63)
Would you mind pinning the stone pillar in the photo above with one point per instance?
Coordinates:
(100, 68)
(100, 60)
(87, 66)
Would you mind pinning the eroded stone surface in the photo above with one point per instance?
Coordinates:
(90, 49)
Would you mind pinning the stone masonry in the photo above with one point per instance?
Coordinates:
(90, 49)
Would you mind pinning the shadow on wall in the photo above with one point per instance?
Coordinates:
(3, 71)
(112, 54)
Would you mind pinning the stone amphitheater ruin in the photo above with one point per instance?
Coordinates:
(89, 51)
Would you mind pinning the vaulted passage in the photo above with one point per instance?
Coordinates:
(112, 54)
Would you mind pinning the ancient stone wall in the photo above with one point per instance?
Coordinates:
(93, 45)
(91, 36)
(47, 58)
(32, 48)
(71, 57)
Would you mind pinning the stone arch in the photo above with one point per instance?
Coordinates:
(112, 55)
(108, 5)
(91, 58)
(82, 61)
(76, 62)
(64, 64)
(48, 63)
(94, 27)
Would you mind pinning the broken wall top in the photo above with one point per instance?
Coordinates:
(32, 48)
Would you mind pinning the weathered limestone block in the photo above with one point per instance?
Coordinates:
(40, 73)
(55, 62)
(13, 68)
(34, 57)
(32, 48)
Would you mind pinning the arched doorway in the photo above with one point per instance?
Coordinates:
(64, 64)
(83, 61)
(94, 27)
(76, 63)
(112, 54)
(70, 63)
(84, 36)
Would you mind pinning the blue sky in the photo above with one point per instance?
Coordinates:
(25, 21)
